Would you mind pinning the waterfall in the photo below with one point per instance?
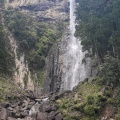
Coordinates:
(22, 73)
(75, 69)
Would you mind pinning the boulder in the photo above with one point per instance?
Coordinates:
(44, 107)
(34, 110)
(42, 116)
(3, 114)
(11, 118)
(24, 114)
(51, 115)
(29, 118)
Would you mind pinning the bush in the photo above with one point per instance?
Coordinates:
(79, 107)
(90, 100)
(64, 103)
(91, 110)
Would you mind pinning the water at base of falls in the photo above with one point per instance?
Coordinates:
(75, 70)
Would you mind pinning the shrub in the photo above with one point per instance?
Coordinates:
(91, 110)
(90, 100)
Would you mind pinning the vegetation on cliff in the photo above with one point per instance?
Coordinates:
(5, 56)
(99, 97)
(34, 38)
(99, 27)
(91, 100)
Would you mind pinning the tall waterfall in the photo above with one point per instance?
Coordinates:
(75, 70)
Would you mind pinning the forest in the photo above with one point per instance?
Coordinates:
(99, 30)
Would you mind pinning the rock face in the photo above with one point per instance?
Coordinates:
(45, 10)
(55, 66)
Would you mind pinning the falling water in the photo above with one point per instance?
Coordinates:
(75, 70)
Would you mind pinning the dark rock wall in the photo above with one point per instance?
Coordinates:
(55, 66)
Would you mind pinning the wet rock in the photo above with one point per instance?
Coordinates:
(45, 99)
(34, 110)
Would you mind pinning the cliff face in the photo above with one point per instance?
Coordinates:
(44, 10)
(49, 12)
(56, 65)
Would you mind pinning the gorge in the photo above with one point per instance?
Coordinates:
(59, 60)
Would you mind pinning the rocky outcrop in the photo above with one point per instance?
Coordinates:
(30, 107)
(55, 66)
(43, 10)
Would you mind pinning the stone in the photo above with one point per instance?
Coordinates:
(10, 108)
(52, 98)
(11, 118)
(29, 118)
(34, 109)
(59, 117)
(34, 115)
(44, 107)
(24, 114)
(42, 116)
(3, 114)
(53, 108)
(51, 115)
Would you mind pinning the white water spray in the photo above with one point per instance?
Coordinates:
(75, 69)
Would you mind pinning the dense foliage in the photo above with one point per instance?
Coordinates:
(99, 27)
(3, 52)
(34, 38)
(5, 57)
